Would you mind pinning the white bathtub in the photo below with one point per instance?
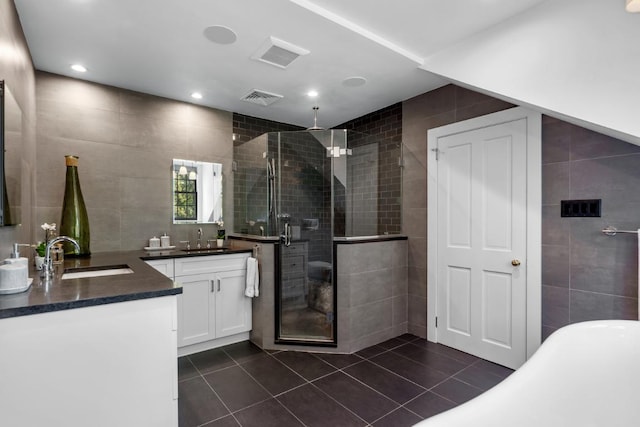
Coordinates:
(583, 375)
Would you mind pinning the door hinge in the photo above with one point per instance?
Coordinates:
(437, 151)
(436, 321)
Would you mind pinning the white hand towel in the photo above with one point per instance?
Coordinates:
(252, 272)
(256, 279)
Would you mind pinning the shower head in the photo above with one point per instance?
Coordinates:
(315, 120)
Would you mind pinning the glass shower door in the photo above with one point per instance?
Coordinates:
(304, 209)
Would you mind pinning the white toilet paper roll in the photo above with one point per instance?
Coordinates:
(13, 276)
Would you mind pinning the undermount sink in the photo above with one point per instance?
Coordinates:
(107, 270)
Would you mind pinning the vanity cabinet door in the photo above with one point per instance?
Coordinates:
(233, 309)
(196, 318)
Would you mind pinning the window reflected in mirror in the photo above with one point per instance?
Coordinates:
(197, 192)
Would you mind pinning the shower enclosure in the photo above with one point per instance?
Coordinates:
(306, 189)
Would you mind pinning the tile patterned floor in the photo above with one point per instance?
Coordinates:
(396, 383)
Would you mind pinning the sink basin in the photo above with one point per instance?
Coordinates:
(107, 270)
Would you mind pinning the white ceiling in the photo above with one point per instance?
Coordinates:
(158, 47)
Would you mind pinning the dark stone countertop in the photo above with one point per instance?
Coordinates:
(144, 282)
(179, 253)
(42, 297)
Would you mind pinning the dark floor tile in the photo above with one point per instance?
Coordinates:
(398, 418)
(340, 361)
(457, 391)
(428, 358)
(478, 377)
(314, 408)
(227, 421)
(499, 370)
(236, 388)
(357, 397)
(197, 403)
(244, 351)
(372, 351)
(186, 369)
(266, 414)
(391, 385)
(211, 360)
(272, 375)
(458, 355)
(409, 369)
(429, 404)
(305, 364)
(392, 343)
(408, 337)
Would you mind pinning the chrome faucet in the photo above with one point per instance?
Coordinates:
(47, 267)
(198, 245)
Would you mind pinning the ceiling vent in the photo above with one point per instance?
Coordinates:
(261, 97)
(278, 52)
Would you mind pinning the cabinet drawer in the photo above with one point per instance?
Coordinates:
(206, 264)
(293, 266)
(294, 249)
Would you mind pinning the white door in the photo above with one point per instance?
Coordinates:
(481, 234)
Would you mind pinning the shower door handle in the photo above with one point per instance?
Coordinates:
(286, 237)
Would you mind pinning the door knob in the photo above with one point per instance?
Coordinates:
(515, 262)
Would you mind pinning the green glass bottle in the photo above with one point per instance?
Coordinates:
(74, 222)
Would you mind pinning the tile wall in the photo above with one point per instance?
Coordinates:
(372, 294)
(386, 127)
(587, 275)
(126, 142)
(16, 69)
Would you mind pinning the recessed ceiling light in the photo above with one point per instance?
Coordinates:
(354, 81)
(196, 95)
(219, 34)
(312, 93)
(79, 68)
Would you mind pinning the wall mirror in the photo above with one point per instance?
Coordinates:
(11, 164)
(197, 192)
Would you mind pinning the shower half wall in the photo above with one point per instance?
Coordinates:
(305, 191)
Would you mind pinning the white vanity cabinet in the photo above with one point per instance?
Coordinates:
(164, 266)
(212, 309)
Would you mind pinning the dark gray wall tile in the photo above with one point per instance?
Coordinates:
(556, 183)
(600, 269)
(609, 178)
(555, 306)
(587, 144)
(556, 135)
(555, 229)
(556, 265)
(592, 306)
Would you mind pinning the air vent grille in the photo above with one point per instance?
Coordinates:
(278, 52)
(279, 56)
(261, 97)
